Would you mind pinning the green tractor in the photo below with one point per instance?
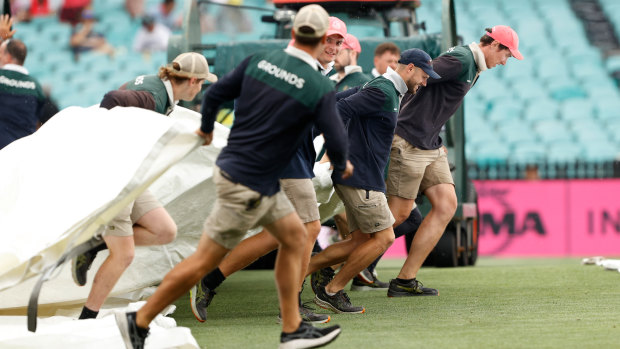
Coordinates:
(378, 21)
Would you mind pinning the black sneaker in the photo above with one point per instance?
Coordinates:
(133, 336)
(361, 285)
(366, 276)
(199, 299)
(321, 278)
(411, 288)
(308, 315)
(81, 264)
(338, 303)
(308, 336)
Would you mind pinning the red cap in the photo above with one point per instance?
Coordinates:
(507, 37)
(351, 43)
(336, 26)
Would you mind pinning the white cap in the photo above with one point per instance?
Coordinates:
(193, 65)
(312, 21)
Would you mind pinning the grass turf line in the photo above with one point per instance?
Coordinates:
(499, 303)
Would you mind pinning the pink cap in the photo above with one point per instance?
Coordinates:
(507, 37)
(336, 26)
(351, 43)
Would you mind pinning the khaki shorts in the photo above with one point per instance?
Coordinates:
(238, 209)
(367, 210)
(414, 170)
(122, 224)
(300, 191)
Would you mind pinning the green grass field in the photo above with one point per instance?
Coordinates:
(499, 303)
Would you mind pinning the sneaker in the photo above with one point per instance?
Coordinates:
(411, 288)
(308, 315)
(321, 278)
(81, 264)
(365, 276)
(338, 303)
(133, 336)
(359, 284)
(199, 299)
(308, 336)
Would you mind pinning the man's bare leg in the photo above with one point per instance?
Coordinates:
(289, 231)
(247, 252)
(254, 247)
(243, 255)
(443, 201)
(335, 253)
(156, 227)
(400, 208)
(312, 230)
(120, 257)
(181, 278)
(373, 246)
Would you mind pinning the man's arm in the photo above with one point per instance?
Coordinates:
(346, 93)
(226, 88)
(128, 98)
(366, 103)
(448, 67)
(328, 122)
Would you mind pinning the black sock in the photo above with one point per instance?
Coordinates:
(143, 332)
(373, 265)
(404, 281)
(213, 279)
(88, 314)
(101, 247)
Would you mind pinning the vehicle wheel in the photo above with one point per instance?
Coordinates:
(463, 257)
(445, 251)
(473, 253)
(472, 196)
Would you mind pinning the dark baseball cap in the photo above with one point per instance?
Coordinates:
(420, 59)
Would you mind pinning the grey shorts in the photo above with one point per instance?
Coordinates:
(238, 209)
(300, 191)
(414, 170)
(367, 210)
(122, 224)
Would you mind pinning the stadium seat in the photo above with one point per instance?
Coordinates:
(551, 131)
(589, 71)
(564, 152)
(600, 151)
(614, 136)
(528, 89)
(588, 136)
(528, 153)
(505, 109)
(584, 123)
(541, 109)
(562, 90)
(606, 90)
(551, 68)
(491, 153)
(577, 108)
(521, 70)
(517, 135)
(612, 64)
